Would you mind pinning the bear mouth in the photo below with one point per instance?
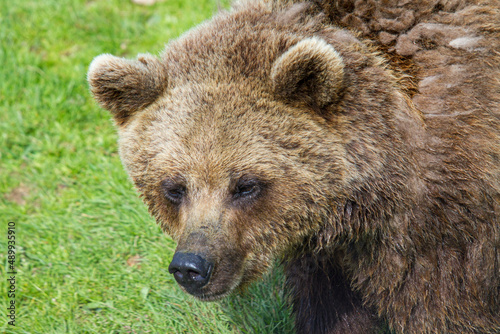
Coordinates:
(211, 297)
(216, 290)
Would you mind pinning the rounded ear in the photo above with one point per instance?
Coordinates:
(311, 72)
(125, 86)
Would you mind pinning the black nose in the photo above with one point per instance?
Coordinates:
(190, 270)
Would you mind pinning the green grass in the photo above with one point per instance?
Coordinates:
(89, 257)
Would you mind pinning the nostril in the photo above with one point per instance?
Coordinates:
(195, 276)
(190, 270)
(178, 275)
(188, 276)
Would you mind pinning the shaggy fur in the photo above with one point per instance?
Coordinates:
(359, 141)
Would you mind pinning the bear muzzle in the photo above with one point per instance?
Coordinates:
(191, 271)
(205, 265)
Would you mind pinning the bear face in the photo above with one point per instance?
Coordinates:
(211, 170)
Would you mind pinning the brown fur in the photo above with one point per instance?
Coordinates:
(369, 133)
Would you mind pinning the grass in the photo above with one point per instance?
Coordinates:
(89, 258)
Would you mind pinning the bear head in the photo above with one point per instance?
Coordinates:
(241, 141)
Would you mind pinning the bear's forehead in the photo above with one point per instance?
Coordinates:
(220, 121)
(217, 129)
(206, 132)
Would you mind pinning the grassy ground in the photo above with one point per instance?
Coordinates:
(89, 258)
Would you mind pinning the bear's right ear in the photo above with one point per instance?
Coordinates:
(310, 72)
(125, 86)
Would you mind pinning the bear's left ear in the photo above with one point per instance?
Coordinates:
(125, 86)
(310, 71)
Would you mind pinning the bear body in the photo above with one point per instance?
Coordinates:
(359, 142)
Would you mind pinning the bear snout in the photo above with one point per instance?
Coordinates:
(205, 267)
(191, 271)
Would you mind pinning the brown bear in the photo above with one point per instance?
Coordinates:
(358, 141)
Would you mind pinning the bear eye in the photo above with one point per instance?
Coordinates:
(174, 192)
(246, 189)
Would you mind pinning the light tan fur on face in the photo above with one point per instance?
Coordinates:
(211, 153)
